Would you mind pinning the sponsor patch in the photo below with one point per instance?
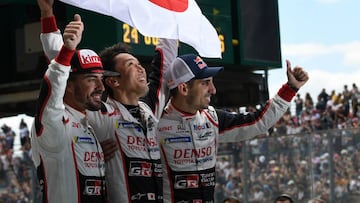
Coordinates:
(121, 124)
(186, 181)
(204, 136)
(140, 168)
(83, 140)
(94, 187)
(137, 196)
(176, 139)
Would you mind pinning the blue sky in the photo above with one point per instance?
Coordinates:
(323, 36)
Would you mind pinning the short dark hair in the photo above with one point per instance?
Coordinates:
(284, 197)
(107, 56)
(174, 91)
(231, 200)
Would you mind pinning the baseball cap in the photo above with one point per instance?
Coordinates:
(187, 67)
(86, 61)
(283, 197)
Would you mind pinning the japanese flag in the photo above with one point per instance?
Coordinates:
(172, 19)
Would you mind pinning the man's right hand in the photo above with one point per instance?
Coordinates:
(109, 148)
(73, 33)
(46, 8)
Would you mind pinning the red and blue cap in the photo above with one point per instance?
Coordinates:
(187, 67)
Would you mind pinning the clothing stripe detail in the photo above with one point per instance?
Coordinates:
(261, 116)
(64, 56)
(211, 119)
(77, 171)
(48, 25)
(125, 171)
(168, 174)
(286, 92)
(42, 164)
(46, 89)
(161, 82)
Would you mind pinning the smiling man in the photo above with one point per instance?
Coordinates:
(67, 155)
(127, 121)
(189, 129)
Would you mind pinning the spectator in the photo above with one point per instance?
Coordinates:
(257, 194)
(231, 200)
(308, 102)
(283, 198)
(9, 136)
(24, 133)
(299, 105)
(355, 99)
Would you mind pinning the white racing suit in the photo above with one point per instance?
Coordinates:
(68, 157)
(135, 173)
(188, 144)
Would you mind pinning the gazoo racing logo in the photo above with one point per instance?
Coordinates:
(94, 187)
(186, 181)
(140, 168)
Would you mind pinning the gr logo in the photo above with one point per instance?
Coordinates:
(186, 181)
(93, 187)
(140, 168)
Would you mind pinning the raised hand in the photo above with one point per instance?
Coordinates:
(297, 76)
(46, 8)
(73, 32)
(109, 148)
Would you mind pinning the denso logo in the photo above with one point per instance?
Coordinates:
(186, 181)
(93, 156)
(141, 141)
(138, 168)
(192, 153)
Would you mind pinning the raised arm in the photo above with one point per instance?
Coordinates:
(50, 36)
(166, 51)
(237, 127)
(50, 107)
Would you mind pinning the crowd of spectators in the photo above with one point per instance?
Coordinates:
(15, 170)
(293, 158)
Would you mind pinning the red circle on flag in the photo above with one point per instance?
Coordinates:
(172, 5)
